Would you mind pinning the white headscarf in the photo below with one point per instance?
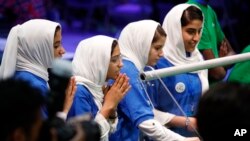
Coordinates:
(135, 41)
(29, 47)
(174, 49)
(90, 64)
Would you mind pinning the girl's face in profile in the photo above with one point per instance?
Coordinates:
(156, 52)
(191, 34)
(58, 48)
(115, 64)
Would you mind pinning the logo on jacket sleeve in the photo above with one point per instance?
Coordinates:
(180, 87)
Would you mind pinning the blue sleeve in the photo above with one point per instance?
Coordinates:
(135, 105)
(83, 103)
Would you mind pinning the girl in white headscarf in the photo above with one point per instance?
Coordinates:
(141, 44)
(30, 50)
(183, 25)
(96, 60)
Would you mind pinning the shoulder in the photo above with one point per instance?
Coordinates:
(163, 63)
(247, 49)
(211, 11)
(129, 68)
(82, 91)
(34, 80)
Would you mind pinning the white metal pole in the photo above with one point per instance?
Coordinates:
(154, 74)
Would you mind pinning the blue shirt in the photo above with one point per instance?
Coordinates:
(83, 103)
(35, 82)
(134, 107)
(186, 89)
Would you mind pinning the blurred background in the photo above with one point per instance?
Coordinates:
(84, 18)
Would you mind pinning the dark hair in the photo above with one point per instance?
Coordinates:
(190, 14)
(57, 29)
(113, 46)
(159, 32)
(19, 106)
(223, 108)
